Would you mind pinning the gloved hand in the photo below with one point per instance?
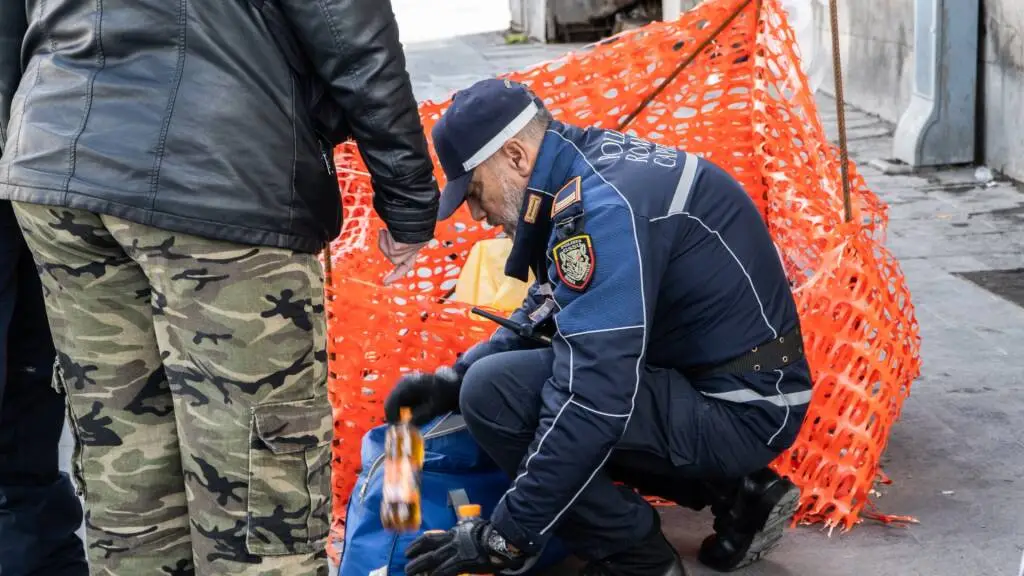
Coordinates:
(428, 395)
(471, 547)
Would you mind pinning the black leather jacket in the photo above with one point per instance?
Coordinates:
(185, 115)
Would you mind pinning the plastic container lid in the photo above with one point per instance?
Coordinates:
(469, 511)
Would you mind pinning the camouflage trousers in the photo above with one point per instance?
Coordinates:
(196, 379)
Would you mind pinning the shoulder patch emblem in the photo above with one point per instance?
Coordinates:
(567, 196)
(574, 261)
(532, 208)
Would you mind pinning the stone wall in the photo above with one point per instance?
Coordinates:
(877, 40)
(1002, 77)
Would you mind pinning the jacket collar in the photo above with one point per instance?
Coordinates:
(551, 170)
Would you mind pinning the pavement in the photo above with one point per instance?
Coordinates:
(955, 457)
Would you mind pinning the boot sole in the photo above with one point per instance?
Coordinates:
(767, 539)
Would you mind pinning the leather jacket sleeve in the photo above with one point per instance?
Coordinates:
(355, 48)
(12, 31)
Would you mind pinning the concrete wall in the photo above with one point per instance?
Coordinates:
(877, 42)
(1002, 78)
(876, 37)
(672, 9)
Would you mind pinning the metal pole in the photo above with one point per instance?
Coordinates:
(837, 67)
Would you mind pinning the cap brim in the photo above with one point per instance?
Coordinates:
(453, 195)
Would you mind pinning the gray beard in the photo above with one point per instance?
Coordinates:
(513, 203)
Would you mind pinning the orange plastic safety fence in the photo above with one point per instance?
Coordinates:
(742, 102)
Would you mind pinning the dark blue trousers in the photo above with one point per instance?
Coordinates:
(677, 444)
(39, 511)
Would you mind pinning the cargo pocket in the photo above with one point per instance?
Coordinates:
(289, 477)
(78, 452)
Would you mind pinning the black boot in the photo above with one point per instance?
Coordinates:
(653, 556)
(749, 521)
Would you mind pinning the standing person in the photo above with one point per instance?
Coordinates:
(170, 167)
(676, 360)
(39, 511)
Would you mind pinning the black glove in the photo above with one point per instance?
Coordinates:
(428, 395)
(471, 547)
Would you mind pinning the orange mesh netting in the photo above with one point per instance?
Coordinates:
(740, 100)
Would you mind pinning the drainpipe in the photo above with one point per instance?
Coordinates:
(938, 127)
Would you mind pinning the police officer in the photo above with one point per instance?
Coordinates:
(675, 361)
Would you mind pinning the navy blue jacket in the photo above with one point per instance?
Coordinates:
(653, 256)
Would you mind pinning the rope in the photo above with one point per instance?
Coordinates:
(840, 106)
(689, 59)
(837, 68)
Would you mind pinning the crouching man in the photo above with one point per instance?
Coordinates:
(675, 362)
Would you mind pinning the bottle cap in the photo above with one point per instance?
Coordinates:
(469, 511)
(405, 414)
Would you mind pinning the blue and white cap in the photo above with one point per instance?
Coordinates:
(479, 120)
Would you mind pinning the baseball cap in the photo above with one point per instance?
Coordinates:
(479, 120)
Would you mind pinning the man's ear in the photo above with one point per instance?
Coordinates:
(519, 156)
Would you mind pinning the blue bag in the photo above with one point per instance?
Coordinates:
(455, 471)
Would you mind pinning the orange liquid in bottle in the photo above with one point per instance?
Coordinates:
(403, 462)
